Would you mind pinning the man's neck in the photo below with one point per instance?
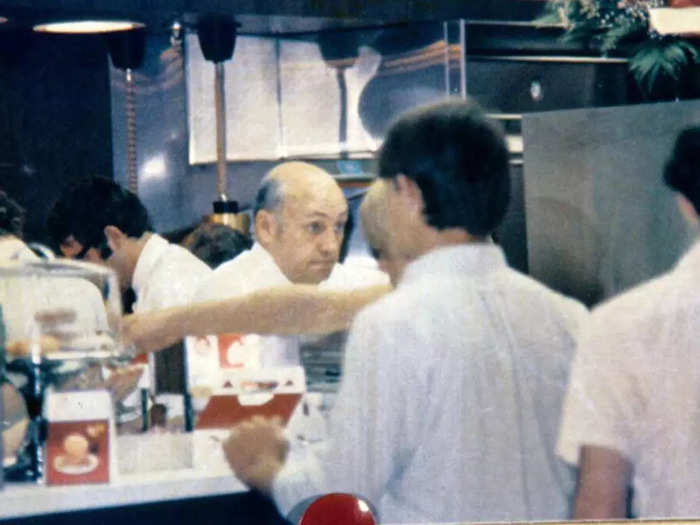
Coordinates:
(434, 239)
(135, 250)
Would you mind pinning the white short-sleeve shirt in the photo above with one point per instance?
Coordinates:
(635, 389)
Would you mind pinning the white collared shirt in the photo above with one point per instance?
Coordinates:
(252, 270)
(635, 389)
(166, 275)
(450, 399)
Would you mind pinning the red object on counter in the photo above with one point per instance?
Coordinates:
(224, 411)
(338, 509)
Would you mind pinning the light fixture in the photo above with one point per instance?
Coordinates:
(88, 26)
(3, 20)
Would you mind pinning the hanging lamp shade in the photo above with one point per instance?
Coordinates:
(217, 37)
(127, 48)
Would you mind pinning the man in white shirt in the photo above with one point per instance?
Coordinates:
(299, 216)
(631, 414)
(450, 399)
(101, 222)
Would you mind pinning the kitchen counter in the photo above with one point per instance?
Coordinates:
(27, 499)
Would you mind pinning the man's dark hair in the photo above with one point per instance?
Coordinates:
(85, 209)
(269, 196)
(12, 216)
(459, 161)
(682, 171)
(216, 243)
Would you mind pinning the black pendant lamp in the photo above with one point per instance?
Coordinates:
(127, 49)
(217, 39)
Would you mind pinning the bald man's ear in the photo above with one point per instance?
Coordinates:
(410, 193)
(266, 227)
(687, 210)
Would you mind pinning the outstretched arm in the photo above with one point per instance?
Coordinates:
(285, 310)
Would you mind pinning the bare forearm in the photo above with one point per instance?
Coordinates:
(604, 478)
(284, 311)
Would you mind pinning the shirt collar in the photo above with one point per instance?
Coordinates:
(148, 260)
(690, 262)
(472, 259)
(267, 263)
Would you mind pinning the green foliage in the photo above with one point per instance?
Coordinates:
(623, 26)
(661, 59)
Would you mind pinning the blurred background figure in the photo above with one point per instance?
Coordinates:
(216, 243)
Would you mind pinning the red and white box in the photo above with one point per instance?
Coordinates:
(247, 392)
(80, 438)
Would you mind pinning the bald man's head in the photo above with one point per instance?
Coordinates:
(373, 213)
(300, 212)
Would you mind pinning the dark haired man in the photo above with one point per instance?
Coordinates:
(216, 243)
(630, 416)
(452, 383)
(101, 222)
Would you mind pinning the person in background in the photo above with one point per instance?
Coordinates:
(452, 383)
(285, 310)
(630, 417)
(299, 217)
(375, 225)
(99, 221)
(20, 305)
(12, 217)
(216, 243)
(26, 302)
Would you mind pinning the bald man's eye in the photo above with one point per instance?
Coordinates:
(340, 228)
(315, 228)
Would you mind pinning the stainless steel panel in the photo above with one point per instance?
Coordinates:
(599, 218)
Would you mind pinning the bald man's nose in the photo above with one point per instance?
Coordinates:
(330, 242)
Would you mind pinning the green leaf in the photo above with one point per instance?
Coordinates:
(656, 58)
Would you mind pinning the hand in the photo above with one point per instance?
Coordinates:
(150, 331)
(256, 450)
(123, 381)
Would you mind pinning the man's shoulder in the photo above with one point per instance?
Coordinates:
(528, 287)
(662, 295)
(177, 263)
(248, 272)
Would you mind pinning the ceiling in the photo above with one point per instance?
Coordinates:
(270, 16)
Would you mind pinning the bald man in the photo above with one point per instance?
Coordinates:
(299, 216)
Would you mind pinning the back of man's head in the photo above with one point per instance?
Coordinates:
(682, 171)
(458, 159)
(216, 243)
(85, 209)
(12, 216)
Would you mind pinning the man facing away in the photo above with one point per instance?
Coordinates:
(631, 413)
(299, 216)
(452, 385)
